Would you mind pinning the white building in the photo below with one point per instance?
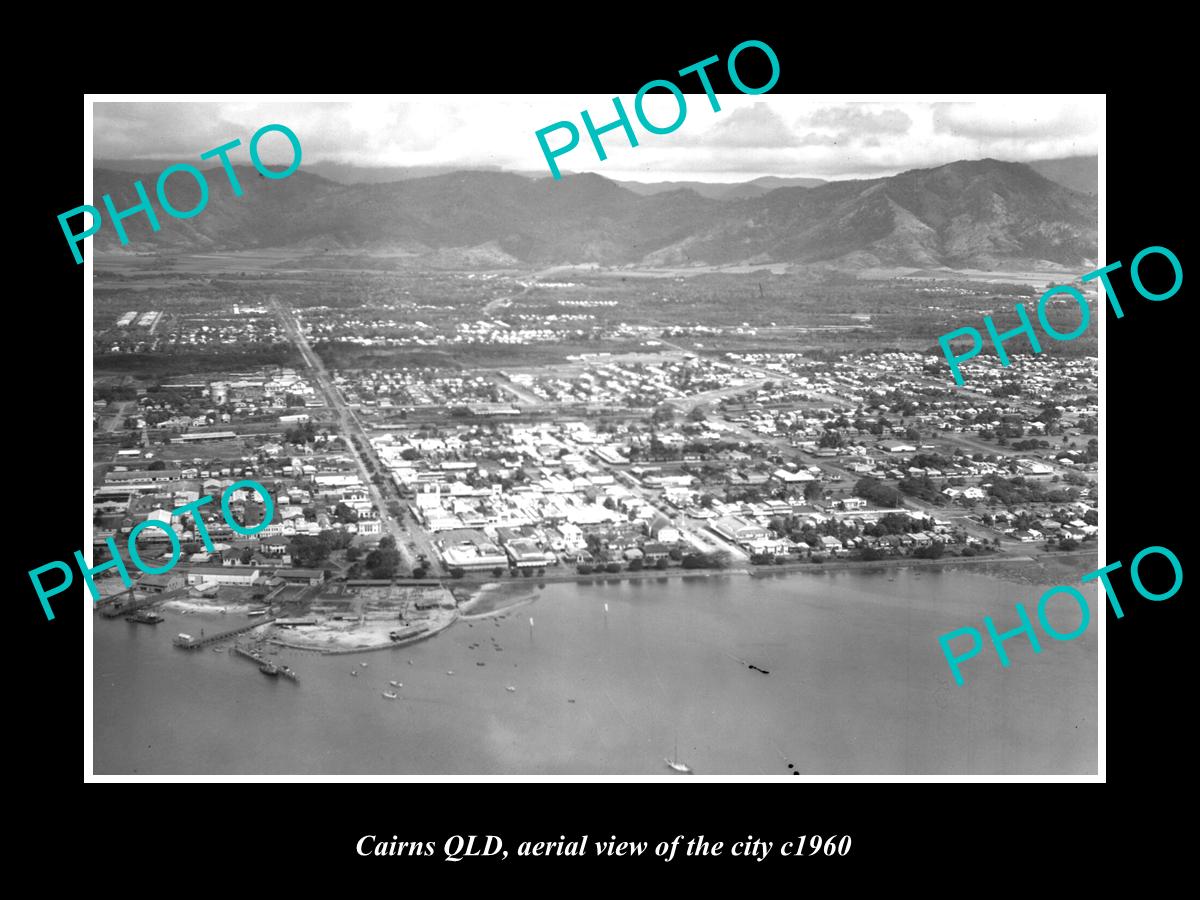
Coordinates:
(235, 575)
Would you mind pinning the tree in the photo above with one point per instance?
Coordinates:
(337, 539)
(457, 572)
(497, 572)
(812, 490)
(696, 415)
(663, 414)
(308, 552)
(931, 551)
(303, 434)
(661, 563)
(383, 562)
(157, 466)
(353, 553)
(387, 542)
(877, 492)
(636, 565)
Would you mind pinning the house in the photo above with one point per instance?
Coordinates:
(852, 503)
(662, 530)
(653, 551)
(772, 546)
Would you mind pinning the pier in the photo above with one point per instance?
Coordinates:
(112, 600)
(192, 643)
(256, 657)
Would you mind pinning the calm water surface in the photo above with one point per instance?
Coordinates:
(857, 685)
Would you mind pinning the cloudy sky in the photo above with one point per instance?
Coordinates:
(817, 136)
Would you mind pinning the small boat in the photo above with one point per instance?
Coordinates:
(511, 689)
(364, 665)
(449, 671)
(257, 612)
(390, 695)
(410, 662)
(269, 669)
(675, 765)
(218, 649)
(394, 683)
(354, 672)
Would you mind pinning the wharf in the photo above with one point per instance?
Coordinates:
(256, 657)
(196, 643)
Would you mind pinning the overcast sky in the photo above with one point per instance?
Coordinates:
(769, 134)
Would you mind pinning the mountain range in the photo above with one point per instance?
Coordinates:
(981, 214)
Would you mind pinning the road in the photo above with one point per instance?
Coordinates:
(349, 427)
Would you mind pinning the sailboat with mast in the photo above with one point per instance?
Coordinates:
(674, 764)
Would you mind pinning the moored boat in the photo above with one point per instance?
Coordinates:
(675, 765)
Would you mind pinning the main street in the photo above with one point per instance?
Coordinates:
(349, 428)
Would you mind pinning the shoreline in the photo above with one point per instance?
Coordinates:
(342, 651)
(482, 593)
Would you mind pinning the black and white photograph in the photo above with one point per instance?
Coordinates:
(528, 435)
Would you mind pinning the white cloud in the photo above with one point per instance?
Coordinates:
(749, 136)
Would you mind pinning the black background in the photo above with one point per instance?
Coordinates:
(897, 830)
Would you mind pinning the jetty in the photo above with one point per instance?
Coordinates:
(187, 642)
(256, 657)
(127, 602)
